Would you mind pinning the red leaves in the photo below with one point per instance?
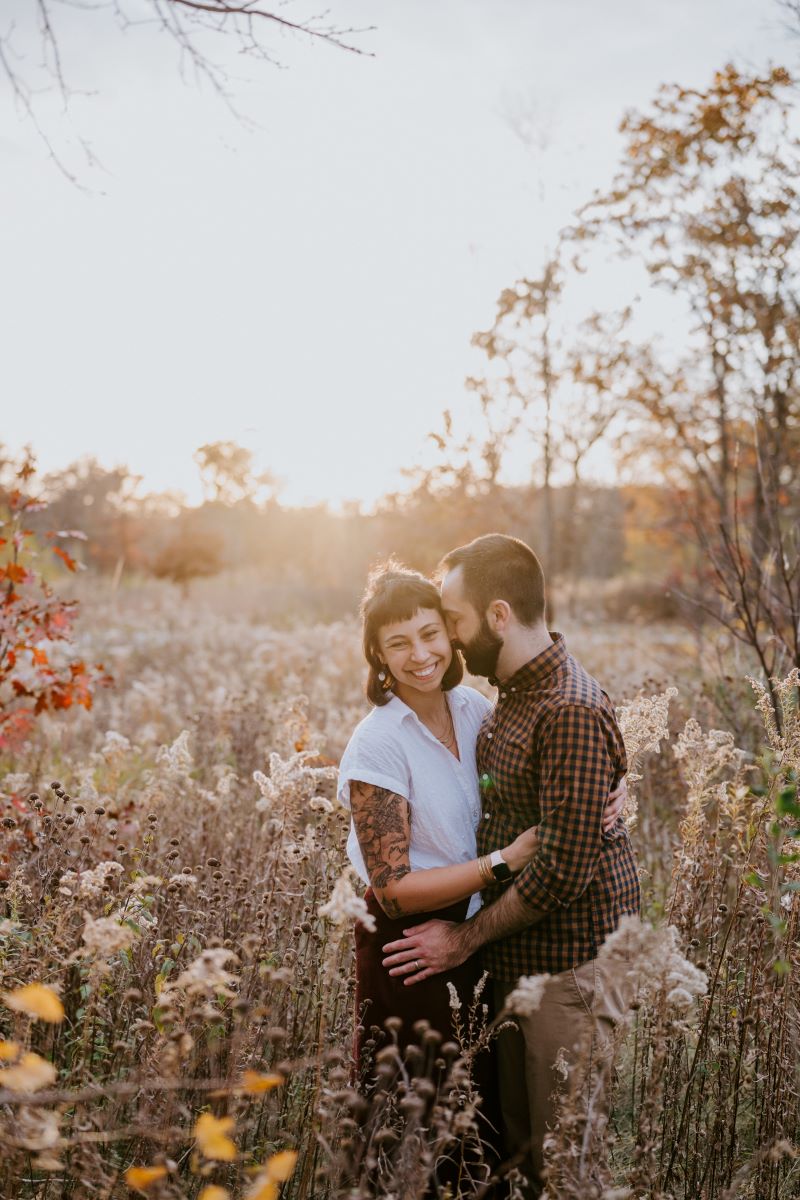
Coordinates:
(14, 573)
(32, 618)
(65, 558)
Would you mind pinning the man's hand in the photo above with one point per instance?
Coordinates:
(615, 804)
(425, 950)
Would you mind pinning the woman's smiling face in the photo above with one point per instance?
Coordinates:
(417, 652)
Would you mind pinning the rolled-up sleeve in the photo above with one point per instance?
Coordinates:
(576, 776)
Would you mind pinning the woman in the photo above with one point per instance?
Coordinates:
(408, 776)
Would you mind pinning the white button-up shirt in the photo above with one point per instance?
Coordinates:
(392, 749)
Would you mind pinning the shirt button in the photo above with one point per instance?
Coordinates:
(487, 816)
(503, 695)
(513, 689)
(489, 734)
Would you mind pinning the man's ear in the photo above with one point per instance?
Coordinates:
(498, 615)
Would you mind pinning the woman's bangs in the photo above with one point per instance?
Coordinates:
(402, 603)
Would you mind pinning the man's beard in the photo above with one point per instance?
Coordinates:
(482, 653)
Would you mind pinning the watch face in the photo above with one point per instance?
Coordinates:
(502, 872)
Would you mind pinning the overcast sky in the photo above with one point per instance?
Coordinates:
(308, 287)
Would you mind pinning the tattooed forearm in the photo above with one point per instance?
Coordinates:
(382, 824)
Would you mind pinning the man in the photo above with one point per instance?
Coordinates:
(548, 754)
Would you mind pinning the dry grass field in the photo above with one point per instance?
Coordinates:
(177, 984)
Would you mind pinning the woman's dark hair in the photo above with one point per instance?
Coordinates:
(395, 593)
(499, 567)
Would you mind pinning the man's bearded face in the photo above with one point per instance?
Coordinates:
(482, 652)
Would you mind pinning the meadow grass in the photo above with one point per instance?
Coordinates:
(167, 856)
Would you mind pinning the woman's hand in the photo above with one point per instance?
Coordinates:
(615, 805)
(522, 849)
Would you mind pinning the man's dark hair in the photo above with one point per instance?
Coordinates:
(499, 567)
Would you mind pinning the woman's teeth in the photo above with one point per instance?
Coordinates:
(426, 673)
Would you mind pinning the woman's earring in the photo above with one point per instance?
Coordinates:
(382, 676)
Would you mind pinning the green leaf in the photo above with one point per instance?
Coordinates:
(786, 804)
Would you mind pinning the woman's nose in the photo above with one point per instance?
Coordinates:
(418, 652)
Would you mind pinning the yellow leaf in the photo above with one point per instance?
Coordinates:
(29, 1074)
(211, 1135)
(253, 1082)
(140, 1178)
(264, 1188)
(8, 1050)
(37, 1001)
(281, 1165)
(213, 1192)
(275, 1170)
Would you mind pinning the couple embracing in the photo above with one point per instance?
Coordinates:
(490, 836)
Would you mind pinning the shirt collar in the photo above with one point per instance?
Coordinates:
(399, 710)
(533, 672)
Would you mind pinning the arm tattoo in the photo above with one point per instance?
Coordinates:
(382, 824)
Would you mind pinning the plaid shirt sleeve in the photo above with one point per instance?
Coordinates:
(576, 776)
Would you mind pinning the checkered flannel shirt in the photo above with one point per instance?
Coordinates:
(548, 755)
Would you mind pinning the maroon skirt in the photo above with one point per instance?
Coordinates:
(380, 995)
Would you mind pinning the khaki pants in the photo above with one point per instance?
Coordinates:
(580, 1008)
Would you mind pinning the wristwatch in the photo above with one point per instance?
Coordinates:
(500, 868)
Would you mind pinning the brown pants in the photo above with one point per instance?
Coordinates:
(579, 1009)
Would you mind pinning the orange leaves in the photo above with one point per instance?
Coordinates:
(254, 1083)
(67, 559)
(37, 1001)
(31, 614)
(140, 1178)
(14, 573)
(213, 1191)
(211, 1135)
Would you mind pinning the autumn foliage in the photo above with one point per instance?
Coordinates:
(37, 671)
